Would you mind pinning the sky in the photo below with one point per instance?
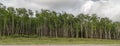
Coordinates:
(103, 8)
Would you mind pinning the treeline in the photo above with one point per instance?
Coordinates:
(20, 22)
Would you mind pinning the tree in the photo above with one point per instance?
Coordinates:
(20, 22)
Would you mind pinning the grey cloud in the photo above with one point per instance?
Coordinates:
(95, 0)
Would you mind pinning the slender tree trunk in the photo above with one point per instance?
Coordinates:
(77, 33)
(81, 31)
(86, 33)
(50, 33)
(71, 31)
(12, 24)
(100, 33)
(106, 33)
(92, 32)
(56, 33)
(109, 33)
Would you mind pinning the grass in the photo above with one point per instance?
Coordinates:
(12, 41)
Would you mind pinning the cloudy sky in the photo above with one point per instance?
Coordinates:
(104, 8)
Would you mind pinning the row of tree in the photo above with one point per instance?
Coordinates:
(20, 22)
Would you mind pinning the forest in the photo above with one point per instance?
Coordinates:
(21, 23)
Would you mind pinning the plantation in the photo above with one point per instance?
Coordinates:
(19, 22)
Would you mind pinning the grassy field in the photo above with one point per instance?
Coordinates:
(9, 40)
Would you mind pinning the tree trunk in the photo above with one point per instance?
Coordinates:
(81, 31)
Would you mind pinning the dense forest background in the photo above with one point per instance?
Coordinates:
(20, 22)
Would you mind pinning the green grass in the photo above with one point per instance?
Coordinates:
(9, 40)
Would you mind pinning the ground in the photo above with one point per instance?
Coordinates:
(55, 41)
(69, 45)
